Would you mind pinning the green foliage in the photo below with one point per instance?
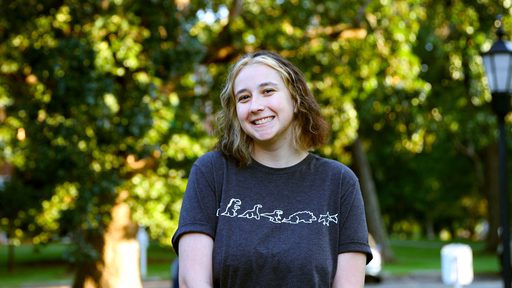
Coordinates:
(418, 188)
(89, 94)
(406, 76)
(450, 119)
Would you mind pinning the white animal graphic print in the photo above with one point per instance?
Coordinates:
(254, 213)
(302, 216)
(327, 218)
(274, 217)
(234, 204)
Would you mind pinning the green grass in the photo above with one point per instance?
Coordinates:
(425, 256)
(35, 274)
(48, 266)
(159, 261)
(28, 253)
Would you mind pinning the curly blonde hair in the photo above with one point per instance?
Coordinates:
(310, 130)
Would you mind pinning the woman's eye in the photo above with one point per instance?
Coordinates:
(242, 98)
(267, 91)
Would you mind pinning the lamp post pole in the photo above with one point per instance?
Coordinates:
(504, 203)
(498, 69)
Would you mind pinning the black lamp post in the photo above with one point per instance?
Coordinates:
(498, 69)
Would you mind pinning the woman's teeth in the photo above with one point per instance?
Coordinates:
(264, 120)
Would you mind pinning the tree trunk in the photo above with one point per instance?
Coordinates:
(487, 175)
(371, 202)
(492, 193)
(11, 261)
(119, 263)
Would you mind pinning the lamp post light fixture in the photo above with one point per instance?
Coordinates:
(498, 69)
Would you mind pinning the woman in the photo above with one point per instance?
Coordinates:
(261, 211)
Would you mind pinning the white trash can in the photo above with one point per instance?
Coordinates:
(457, 264)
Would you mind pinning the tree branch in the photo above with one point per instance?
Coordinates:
(360, 13)
(470, 153)
(226, 52)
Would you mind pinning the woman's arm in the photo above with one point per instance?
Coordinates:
(350, 271)
(196, 256)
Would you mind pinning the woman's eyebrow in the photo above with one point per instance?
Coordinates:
(267, 83)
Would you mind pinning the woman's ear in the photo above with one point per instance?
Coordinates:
(295, 107)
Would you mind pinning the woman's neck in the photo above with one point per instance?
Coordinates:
(279, 157)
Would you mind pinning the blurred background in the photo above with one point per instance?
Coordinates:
(106, 104)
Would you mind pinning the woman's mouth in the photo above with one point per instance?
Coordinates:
(263, 121)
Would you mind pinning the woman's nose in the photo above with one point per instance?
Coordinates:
(257, 104)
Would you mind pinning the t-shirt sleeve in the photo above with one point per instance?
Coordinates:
(353, 228)
(199, 207)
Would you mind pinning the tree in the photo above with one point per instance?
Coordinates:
(90, 90)
(450, 43)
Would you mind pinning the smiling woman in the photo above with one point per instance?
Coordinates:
(265, 108)
(235, 224)
(310, 130)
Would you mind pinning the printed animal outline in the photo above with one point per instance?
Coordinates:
(327, 218)
(234, 204)
(302, 216)
(253, 213)
(274, 216)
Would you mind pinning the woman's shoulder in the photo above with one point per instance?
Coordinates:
(212, 156)
(330, 165)
(211, 159)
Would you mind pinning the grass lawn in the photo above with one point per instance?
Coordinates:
(47, 265)
(31, 266)
(425, 256)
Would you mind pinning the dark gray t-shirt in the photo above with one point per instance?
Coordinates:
(275, 227)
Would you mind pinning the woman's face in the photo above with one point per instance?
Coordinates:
(264, 106)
